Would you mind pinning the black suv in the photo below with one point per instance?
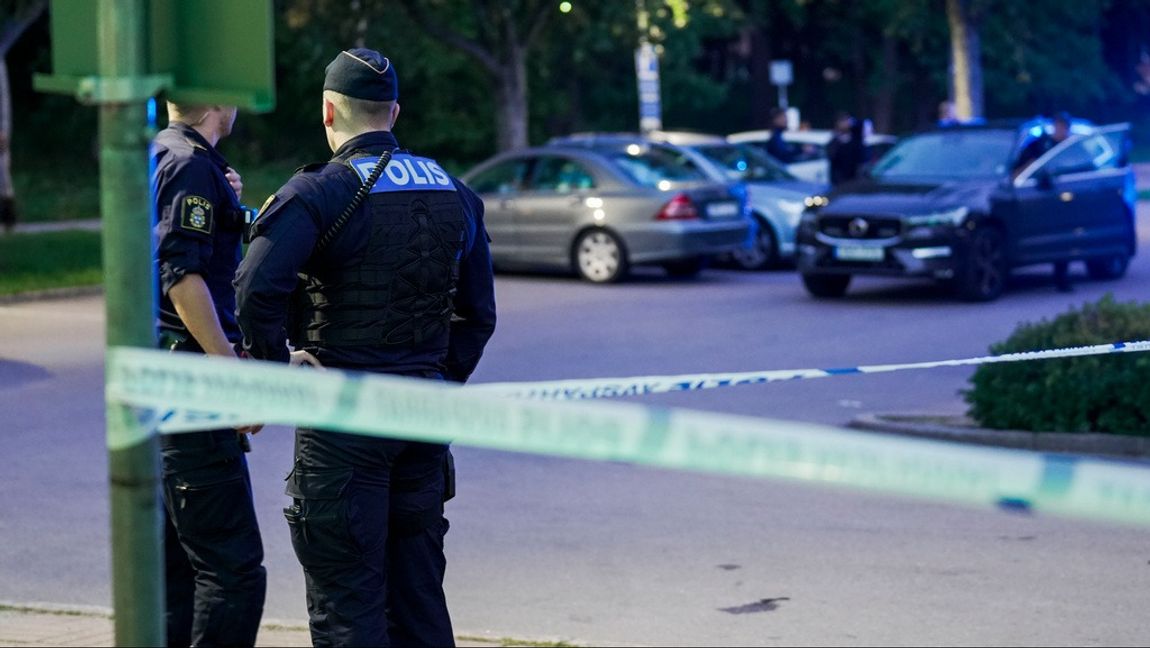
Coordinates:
(948, 204)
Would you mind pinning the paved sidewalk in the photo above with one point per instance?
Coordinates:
(53, 625)
(90, 225)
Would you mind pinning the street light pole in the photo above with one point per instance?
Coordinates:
(647, 74)
(125, 207)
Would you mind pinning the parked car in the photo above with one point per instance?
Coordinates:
(811, 163)
(775, 197)
(949, 204)
(598, 211)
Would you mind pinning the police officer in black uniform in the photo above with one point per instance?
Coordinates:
(383, 268)
(215, 577)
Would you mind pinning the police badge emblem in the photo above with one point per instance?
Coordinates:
(197, 215)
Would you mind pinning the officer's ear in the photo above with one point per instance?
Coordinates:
(328, 113)
(394, 115)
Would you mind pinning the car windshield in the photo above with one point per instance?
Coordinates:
(744, 162)
(654, 167)
(958, 154)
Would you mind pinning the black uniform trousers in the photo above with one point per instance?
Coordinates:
(216, 581)
(367, 526)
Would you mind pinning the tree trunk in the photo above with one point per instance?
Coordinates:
(511, 111)
(887, 86)
(966, 60)
(762, 92)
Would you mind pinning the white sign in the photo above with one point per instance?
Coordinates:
(782, 73)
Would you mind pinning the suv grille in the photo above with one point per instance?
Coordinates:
(860, 227)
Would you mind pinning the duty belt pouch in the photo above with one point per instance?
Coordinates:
(448, 476)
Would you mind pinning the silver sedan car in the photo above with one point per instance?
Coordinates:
(598, 211)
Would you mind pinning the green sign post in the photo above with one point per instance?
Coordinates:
(118, 54)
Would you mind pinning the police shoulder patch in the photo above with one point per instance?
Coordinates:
(196, 215)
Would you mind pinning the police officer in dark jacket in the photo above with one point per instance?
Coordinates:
(402, 284)
(213, 551)
(777, 146)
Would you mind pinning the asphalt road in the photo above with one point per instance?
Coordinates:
(609, 553)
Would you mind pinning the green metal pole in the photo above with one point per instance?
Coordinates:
(133, 454)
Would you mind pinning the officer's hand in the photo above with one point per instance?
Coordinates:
(298, 358)
(236, 182)
(250, 429)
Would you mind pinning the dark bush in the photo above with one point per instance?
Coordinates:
(1107, 393)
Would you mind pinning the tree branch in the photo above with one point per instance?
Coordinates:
(451, 36)
(543, 13)
(15, 27)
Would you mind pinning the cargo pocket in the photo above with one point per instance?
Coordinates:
(212, 500)
(318, 518)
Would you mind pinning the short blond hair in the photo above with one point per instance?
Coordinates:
(360, 114)
(187, 113)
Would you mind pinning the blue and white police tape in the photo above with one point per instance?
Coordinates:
(643, 385)
(388, 406)
(581, 389)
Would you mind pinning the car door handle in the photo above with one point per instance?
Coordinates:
(1066, 196)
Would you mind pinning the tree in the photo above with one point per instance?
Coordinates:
(966, 59)
(499, 36)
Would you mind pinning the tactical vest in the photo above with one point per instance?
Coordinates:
(402, 290)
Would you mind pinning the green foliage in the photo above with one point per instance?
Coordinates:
(1109, 393)
(50, 260)
(56, 194)
(885, 59)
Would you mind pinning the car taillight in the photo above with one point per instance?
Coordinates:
(678, 208)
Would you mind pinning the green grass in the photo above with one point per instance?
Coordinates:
(49, 260)
(44, 195)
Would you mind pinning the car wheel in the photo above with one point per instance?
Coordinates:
(983, 277)
(685, 268)
(1112, 267)
(763, 253)
(599, 257)
(821, 285)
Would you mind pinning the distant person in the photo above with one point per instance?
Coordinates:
(778, 147)
(7, 192)
(1036, 148)
(1060, 132)
(946, 114)
(846, 152)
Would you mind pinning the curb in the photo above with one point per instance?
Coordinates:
(276, 631)
(960, 429)
(51, 293)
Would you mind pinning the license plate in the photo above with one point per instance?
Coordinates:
(855, 253)
(723, 210)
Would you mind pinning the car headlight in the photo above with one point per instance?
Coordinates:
(949, 217)
(792, 210)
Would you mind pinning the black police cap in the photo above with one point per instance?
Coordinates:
(364, 74)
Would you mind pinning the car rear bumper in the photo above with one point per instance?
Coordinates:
(667, 241)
